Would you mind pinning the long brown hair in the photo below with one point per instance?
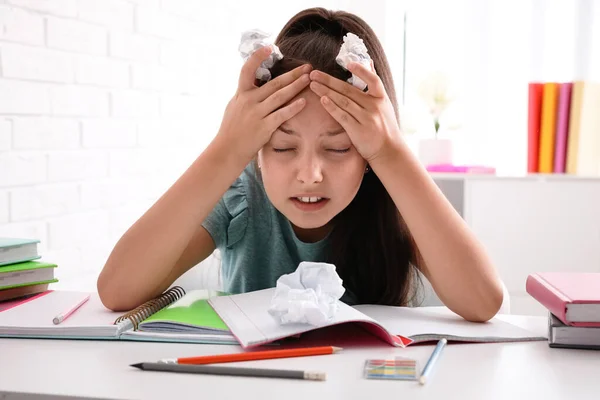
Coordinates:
(370, 243)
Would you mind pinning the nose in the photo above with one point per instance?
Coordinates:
(309, 169)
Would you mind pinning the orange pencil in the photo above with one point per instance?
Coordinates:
(254, 355)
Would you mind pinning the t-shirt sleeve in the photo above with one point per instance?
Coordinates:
(228, 220)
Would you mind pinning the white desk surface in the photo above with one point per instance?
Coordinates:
(54, 369)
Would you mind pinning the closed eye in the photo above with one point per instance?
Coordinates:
(281, 150)
(340, 150)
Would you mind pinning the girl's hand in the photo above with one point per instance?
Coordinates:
(368, 117)
(254, 113)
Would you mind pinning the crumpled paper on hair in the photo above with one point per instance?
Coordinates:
(308, 295)
(354, 50)
(253, 40)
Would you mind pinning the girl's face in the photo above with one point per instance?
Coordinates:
(310, 169)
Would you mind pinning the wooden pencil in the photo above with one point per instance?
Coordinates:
(255, 355)
(232, 371)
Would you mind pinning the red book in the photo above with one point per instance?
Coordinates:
(534, 116)
(573, 297)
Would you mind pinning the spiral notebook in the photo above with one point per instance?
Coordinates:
(174, 316)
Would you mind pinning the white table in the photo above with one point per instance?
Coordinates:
(100, 369)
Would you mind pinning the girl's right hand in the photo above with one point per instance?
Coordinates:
(254, 113)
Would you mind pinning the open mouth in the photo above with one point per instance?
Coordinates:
(309, 200)
(309, 203)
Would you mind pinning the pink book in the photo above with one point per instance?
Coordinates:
(562, 126)
(573, 297)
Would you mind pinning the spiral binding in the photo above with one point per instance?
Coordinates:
(145, 310)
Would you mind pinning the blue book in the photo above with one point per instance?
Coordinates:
(15, 250)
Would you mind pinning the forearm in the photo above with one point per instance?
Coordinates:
(451, 257)
(145, 255)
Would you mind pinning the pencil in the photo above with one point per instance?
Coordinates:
(255, 355)
(432, 359)
(232, 371)
(65, 314)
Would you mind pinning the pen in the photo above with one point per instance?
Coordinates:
(232, 371)
(65, 314)
(432, 359)
(254, 355)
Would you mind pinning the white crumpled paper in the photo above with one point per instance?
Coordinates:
(354, 50)
(253, 40)
(308, 295)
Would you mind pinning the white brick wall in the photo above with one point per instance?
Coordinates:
(21, 26)
(103, 103)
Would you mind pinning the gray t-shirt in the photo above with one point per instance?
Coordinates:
(257, 242)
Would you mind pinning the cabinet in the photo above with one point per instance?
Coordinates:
(530, 224)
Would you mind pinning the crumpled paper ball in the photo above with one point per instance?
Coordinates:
(253, 40)
(354, 50)
(308, 295)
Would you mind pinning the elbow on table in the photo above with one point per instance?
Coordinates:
(488, 307)
(110, 295)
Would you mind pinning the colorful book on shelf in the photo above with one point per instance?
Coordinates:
(178, 317)
(562, 126)
(249, 321)
(14, 250)
(573, 297)
(26, 274)
(548, 127)
(536, 90)
(583, 151)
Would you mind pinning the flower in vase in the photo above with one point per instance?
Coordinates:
(437, 93)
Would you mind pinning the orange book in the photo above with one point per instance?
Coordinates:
(533, 125)
(548, 127)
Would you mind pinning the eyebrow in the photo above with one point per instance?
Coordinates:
(328, 133)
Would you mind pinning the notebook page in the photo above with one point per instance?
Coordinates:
(34, 317)
(432, 323)
(248, 318)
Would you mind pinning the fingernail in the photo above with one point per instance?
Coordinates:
(305, 78)
(307, 68)
(325, 100)
(350, 66)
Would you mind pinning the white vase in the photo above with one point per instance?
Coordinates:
(435, 151)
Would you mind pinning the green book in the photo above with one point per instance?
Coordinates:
(14, 250)
(190, 314)
(26, 273)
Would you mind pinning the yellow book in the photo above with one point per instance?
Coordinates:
(548, 127)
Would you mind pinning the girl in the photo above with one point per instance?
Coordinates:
(309, 168)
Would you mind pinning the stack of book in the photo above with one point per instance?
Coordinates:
(573, 303)
(20, 274)
(564, 128)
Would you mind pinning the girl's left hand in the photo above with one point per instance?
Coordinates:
(368, 117)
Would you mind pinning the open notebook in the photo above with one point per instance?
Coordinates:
(247, 317)
(172, 317)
